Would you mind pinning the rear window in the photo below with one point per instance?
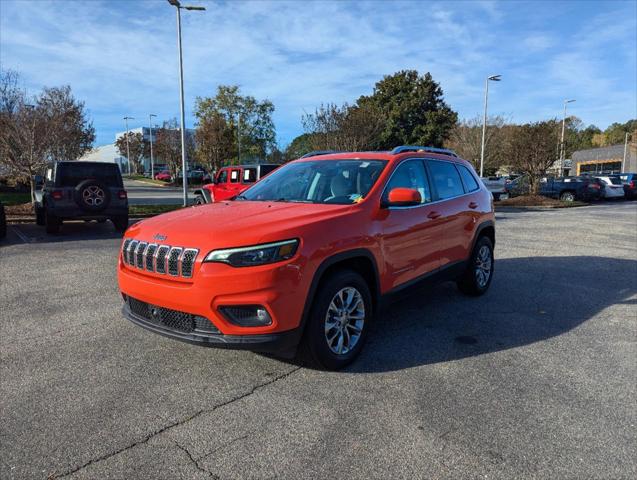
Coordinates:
(468, 179)
(615, 180)
(446, 179)
(265, 169)
(69, 175)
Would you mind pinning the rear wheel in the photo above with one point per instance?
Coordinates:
(567, 196)
(339, 321)
(51, 222)
(477, 277)
(199, 200)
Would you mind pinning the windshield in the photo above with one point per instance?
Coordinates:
(321, 181)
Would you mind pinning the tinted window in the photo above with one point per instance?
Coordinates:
(410, 174)
(69, 175)
(265, 169)
(468, 179)
(446, 179)
(234, 176)
(223, 176)
(249, 175)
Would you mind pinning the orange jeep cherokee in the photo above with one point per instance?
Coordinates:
(305, 255)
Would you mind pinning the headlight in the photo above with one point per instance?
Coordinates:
(255, 255)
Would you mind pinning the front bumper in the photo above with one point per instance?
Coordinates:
(283, 344)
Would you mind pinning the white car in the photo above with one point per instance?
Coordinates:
(613, 187)
(496, 185)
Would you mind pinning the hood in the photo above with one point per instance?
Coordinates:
(231, 224)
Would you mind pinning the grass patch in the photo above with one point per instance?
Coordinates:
(12, 198)
(142, 178)
(151, 209)
(537, 201)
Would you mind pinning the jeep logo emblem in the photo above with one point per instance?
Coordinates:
(160, 237)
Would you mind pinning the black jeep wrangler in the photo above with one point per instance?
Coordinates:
(81, 191)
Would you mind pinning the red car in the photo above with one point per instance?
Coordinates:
(231, 181)
(164, 176)
(305, 256)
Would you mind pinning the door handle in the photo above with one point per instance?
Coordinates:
(473, 205)
(433, 215)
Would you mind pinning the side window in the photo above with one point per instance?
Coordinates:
(446, 179)
(234, 176)
(410, 174)
(249, 175)
(223, 176)
(469, 180)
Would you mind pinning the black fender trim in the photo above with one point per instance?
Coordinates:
(205, 194)
(333, 260)
(481, 227)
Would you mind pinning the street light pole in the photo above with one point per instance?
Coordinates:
(184, 170)
(127, 147)
(494, 78)
(625, 152)
(562, 149)
(150, 137)
(239, 138)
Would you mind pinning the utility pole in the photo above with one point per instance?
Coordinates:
(150, 137)
(184, 166)
(625, 152)
(494, 78)
(562, 149)
(127, 146)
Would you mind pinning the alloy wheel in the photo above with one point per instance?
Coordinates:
(344, 320)
(483, 265)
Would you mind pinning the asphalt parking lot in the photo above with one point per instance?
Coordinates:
(536, 379)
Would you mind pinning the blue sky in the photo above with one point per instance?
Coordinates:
(120, 56)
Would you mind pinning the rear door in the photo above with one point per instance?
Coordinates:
(411, 234)
(454, 207)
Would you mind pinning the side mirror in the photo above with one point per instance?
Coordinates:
(403, 197)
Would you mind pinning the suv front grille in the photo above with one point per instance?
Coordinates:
(170, 319)
(162, 259)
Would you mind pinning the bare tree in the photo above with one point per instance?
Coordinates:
(531, 148)
(214, 141)
(138, 147)
(168, 145)
(347, 127)
(466, 140)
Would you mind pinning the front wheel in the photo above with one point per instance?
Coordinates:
(567, 197)
(199, 200)
(339, 321)
(477, 277)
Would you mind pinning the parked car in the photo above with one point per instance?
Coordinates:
(164, 176)
(304, 256)
(81, 191)
(629, 181)
(3, 222)
(497, 187)
(567, 189)
(612, 187)
(231, 181)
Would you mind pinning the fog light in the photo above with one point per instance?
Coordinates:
(247, 315)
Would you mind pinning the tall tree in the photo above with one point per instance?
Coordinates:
(298, 147)
(466, 140)
(531, 148)
(167, 145)
(138, 147)
(214, 141)
(36, 130)
(249, 119)
(413, 108)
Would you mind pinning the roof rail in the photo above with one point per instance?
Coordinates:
(416, 148)
(319, 152)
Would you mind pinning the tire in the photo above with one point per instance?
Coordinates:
(51, 223)
(39, 216)
(567, 196)
(120, 223)
(346, 333)
(473, 281)
(92, 196)
(200, 200)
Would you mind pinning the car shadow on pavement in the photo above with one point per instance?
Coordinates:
(70, 231)
(530, 300)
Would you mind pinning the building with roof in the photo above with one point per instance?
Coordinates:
(608, 159)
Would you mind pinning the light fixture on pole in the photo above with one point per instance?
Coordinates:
(493, 78)
(150, 137)
(126, 119)
(184, 169)
(562, 149)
